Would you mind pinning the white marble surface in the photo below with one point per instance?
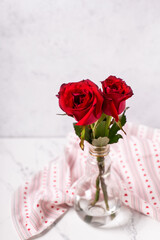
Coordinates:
(46, 43)
(20, 158)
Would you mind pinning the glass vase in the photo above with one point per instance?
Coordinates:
(96, 200)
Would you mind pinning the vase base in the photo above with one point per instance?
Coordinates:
(97, 215)
(95, 210)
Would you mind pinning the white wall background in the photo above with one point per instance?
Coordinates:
(46, 43)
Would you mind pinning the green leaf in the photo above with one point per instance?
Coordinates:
(77, 129)
(115, 138)
(115, 128)
(88, 135)
(100, 130)
(88, 132)
(123, 119)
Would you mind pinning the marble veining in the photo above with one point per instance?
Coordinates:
(62, 234)
(131, 227)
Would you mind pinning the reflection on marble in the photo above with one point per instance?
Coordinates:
(20, 158)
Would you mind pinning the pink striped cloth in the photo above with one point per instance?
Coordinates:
(136, 161)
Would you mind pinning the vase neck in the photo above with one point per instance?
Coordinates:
(98, 158)
(99, 152)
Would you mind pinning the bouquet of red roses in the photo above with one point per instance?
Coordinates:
(100, 114)
(96, 111)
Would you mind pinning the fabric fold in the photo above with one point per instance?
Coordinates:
(49, 194)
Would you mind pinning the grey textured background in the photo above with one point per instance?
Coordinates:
(46, 43)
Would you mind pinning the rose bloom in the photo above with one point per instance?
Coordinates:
(115, 93)
(81, 100)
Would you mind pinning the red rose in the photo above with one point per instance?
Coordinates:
(115, 92)
(81, 100)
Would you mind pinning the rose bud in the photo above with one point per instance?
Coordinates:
(115, 93)
(81, 100)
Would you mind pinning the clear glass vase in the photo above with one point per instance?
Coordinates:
(96, 201)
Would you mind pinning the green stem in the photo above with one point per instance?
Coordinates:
(94, 125)
(97, 192)
(99, 180)
(104, 189)
(109, 118)
(120, 126)
(103, 185)
(82, 138)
